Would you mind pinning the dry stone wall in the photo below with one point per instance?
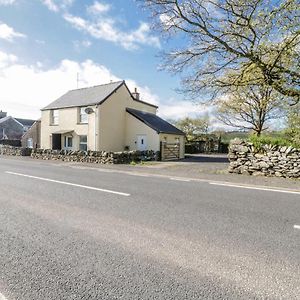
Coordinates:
(99, 157)
(279, 161)
(14, 151)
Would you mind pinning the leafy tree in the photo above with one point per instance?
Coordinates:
(232, 43)
(250, 107)
(193, 127)
(293, 130)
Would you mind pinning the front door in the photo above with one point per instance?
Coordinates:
(141, 142)
(56, 141)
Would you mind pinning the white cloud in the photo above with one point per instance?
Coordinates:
(8, 33)
(178, 109)
(79, 45)
(145, 92)
(51, 5)
(57, 5)
(7, 59)
(105, 28)
(98, 8)
(25, 89)
(7, 2)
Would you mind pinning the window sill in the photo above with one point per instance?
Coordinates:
(82, 123)
(53, 124)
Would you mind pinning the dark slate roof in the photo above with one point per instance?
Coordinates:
(155, 122)
(89, 96)
(10, 118)
(85, 96)
(25, 122)
(3, 120)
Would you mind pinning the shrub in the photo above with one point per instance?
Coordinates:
(259, 141)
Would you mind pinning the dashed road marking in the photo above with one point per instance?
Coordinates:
(256, 188)
(180, 179)
(69, 183)
(297, 226)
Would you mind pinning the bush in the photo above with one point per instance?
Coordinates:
(259, 141)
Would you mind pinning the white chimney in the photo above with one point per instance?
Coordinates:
(136, 94)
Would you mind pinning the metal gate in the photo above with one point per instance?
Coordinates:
(169, 150)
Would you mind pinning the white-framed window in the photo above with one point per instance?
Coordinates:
(83, 143)
(30, 143)
(54, 117)
(68, 142)
(83, 117)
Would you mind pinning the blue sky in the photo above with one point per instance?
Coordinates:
(45, 43)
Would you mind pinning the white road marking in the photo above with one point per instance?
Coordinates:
(297, 226)
(256, 188)
(69, 183)
(185, 179)
(2, 297)
(180, 179)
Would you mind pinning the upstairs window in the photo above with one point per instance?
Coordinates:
(83, 117)
(54, 117)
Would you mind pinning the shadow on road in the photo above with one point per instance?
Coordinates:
(206, 158)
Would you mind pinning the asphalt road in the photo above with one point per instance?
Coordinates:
(68, 232)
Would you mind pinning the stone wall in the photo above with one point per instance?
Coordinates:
(99, 157)
(280, 161)
(14, 151)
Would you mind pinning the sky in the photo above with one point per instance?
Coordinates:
(46, 45)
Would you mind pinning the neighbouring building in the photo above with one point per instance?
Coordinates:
(32, 138)
(110, 118)
(13, 128)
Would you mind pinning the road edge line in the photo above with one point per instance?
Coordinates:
(252, 187)
(69, 183)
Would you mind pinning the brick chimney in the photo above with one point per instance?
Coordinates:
(3, 114)
(136, 94)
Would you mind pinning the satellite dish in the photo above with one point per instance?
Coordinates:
(89, 110)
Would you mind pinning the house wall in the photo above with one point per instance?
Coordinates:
(68, 120)
(33, 133)
(172, 138)
(135, 127)
(112, 134)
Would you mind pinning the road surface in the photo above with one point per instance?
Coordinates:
(72, 232)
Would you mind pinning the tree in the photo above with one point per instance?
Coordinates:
(250, 107)
(232, 43)
(193, 127)
(293, 130)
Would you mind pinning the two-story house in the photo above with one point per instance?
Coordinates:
(105, 117)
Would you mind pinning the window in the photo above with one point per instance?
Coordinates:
(83, 117)
(68, 141)
(83, 143)
(30, 143)
(54, 117)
